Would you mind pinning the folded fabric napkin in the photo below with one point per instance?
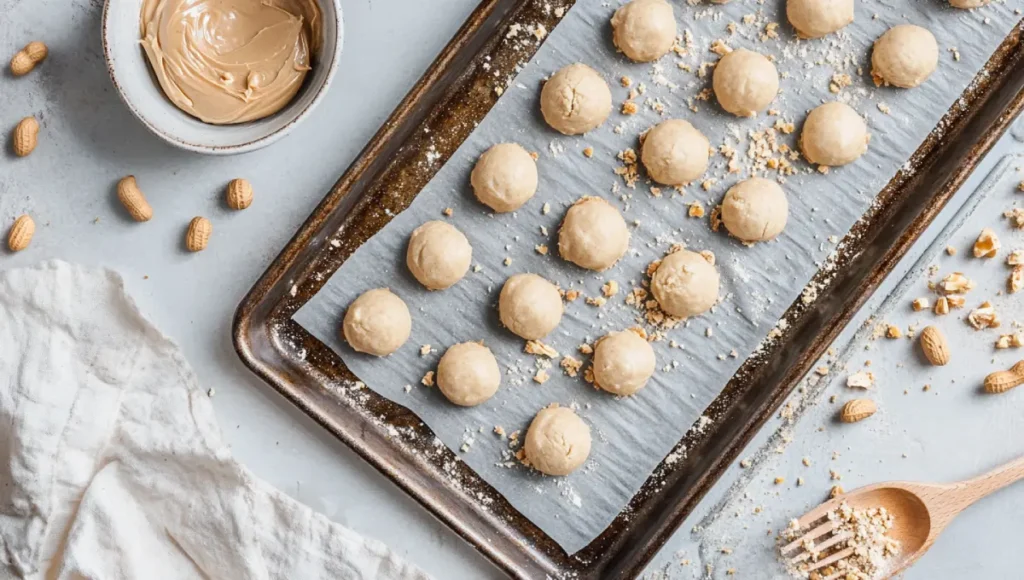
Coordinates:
(111, 461)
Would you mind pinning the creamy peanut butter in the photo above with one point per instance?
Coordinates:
(230, 61)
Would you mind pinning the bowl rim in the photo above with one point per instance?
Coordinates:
(251, 145)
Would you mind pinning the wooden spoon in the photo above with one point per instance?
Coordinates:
(920, 512)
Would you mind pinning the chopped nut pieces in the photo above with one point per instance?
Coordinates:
(955, 283)
(610, 288)
(983, 317)
(861, 380)
(987, 244)
(893, 331)
(536, 347)
(920, 304)
(541, 377)
(696, 210)
(868, 531)
(1016, 217)
(570, 365)
(1016, 258)
(1010, 340)
(942, 306)
(428, 379)
(1016, 280)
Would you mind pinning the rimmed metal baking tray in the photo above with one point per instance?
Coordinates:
(441, 110)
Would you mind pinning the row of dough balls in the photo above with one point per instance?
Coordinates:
(645, 30)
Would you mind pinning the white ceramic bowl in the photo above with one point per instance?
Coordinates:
(139, 89)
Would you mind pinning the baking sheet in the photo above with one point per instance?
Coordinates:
(758, 284)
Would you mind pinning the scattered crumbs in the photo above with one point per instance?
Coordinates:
(597, 301)
(425, 350)
(571, 366)
(541, 377)
(448, 211)
(951, 250)
(696, 210)
(610, 288)
(588, 152)
(629, 108)
(428, 379)
(538, 348)
(541, 249)
(507, 261)
(545, 208)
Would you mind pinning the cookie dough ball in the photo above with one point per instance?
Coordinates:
(377, 323)
(834, 134)
(905, 56)
(557, 442)
(685, 284)
(575, 100)
(755, 210)
(644, 30)
(745, 82)
(529, 306)
(816, 18)
(593, 234)
(967, 4)
(505, 177)
(438, 255)
(623, 363)
(468, 374)
(675, 153)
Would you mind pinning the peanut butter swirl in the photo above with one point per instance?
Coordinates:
(230, 61)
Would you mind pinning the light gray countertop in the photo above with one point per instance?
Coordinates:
(89, 140)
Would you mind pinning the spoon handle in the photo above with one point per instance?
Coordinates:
(972, 490)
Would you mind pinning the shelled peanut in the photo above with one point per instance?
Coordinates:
(239, 194)
(20, 235)
(1002, 381)
(133, 200)
(27, 58)
(198, 234)
(26, 136)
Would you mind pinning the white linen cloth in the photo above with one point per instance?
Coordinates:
(111, 461)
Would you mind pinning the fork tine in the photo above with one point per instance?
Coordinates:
(819, 548)
(831, 559)
(817, 513)
(811, 535)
